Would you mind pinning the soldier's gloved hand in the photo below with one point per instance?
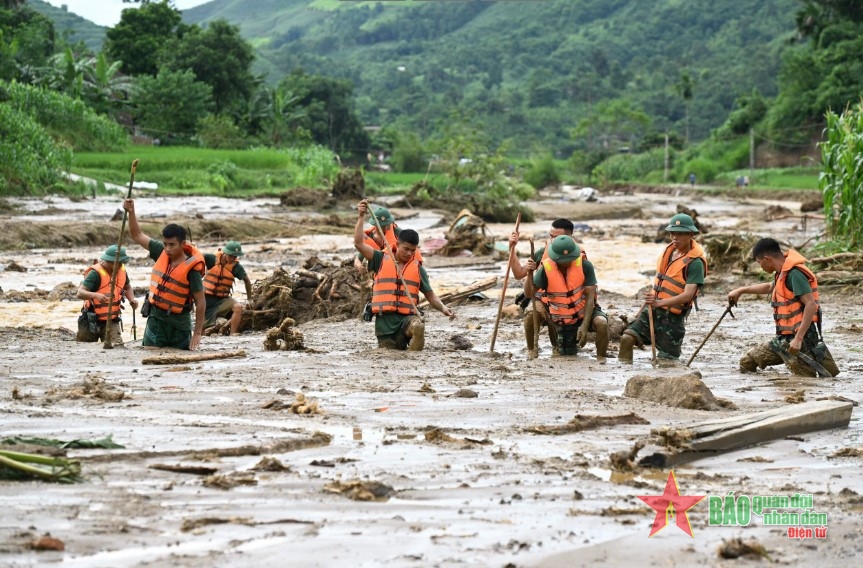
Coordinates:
(582, 334)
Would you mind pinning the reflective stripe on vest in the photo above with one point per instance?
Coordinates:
(565, 295)
(101, 308)
(787, 308)
(169, 287)
(219, 280)
(671, 275)
(388, 294)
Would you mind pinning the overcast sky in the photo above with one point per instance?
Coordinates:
(107, 12)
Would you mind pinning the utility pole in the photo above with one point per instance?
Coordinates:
(666, 157)
(751, 155)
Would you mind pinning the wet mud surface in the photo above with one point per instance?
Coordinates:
(396, 467)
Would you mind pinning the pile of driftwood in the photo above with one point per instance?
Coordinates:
(467, 232)
(729, 250)
(844, 268)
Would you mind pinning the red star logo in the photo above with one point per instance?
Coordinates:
(671, 502)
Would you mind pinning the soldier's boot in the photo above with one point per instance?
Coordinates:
(417, 333)
(627, 342)
(600, 327)
(748, 364)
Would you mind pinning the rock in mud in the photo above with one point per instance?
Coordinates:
(681, 391)
(461, 342)
(48, 542)
(813, 204)
(270, 464)
(304, 197)
(466, 393)
(361, 490)
(511, 311)
(735, 548)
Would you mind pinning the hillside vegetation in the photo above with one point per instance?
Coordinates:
(529, 71)
(71, 27)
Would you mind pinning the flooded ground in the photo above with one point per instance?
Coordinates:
(503, 497)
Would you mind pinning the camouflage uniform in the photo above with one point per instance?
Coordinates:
(765, 355)
(669, 330)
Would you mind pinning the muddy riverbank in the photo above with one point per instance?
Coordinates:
(489, 493)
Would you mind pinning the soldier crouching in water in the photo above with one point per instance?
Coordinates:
(399, 278)
(796, 307)
(96, 290)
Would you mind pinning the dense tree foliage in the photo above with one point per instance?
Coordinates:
(142, 34)
(171, 104)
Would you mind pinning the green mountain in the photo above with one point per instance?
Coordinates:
(70, 26)
(527, 71)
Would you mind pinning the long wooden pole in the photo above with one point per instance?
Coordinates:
(533, 301)
(703, 341)
(503, 291)
(652, 332)
(107, 343)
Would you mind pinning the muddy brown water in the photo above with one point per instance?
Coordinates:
(524, 499)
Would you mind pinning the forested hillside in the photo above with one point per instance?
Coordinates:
(528, 71)
(70, 26)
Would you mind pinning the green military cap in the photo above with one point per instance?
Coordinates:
(110, 254)
(233, 248)
(564, 249)
(383, 216)
(681, 223)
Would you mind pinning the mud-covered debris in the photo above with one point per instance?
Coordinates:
(625, 460)
(736, 548)
(270, 464)
(772, 212)
(191, 357)
(180, 468)
(438, 436)
(300, 405)
(465, 393)
(230, 480)
(681, 391)
(361, 490)
(583, 422)
(812, 204)
(796, 397)
(848, 453)
(305, 197)
(672, 438)
(467, 233)
(729, 250)
(15, 267)
(194, 524)
(48, 542)
(461, 342)
(94, 387)
(63, 291)
(284, 337)
(756, 459)
(839, 398)
(427, 388)
(512, 311)
(349, 184)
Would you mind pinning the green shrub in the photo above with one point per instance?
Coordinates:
(705, 170)
(29, 158)
(220, 132)
(542, 172)
(409, 155)
(631, 167)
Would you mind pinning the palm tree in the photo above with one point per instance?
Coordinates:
(275, 112)
(686, 89)
(105, 87)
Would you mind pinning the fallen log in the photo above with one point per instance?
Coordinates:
(835, 257)
(180, 359)
(465, 291)
(674, 446)
(839, 277)
(309, 274)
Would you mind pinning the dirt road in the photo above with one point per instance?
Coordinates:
(487, 493)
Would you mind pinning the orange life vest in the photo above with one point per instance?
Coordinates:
(101, 308)
(539, 295)
(671, 275)
(565, 295)
(788, 309)
(388, 294)
(169, 287)
(219, 280)
(392, 239)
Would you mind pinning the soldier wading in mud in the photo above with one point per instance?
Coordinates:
(796, 307)
(396, 289)
(599, 321)
(96, 290)
(376, 240)
(680, 274)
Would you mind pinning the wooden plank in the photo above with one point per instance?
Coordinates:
(466, 291)
(767, 426)
(194, 358)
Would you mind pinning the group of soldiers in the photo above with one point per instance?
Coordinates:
(561, 285)
(182, 279)
(563, 291)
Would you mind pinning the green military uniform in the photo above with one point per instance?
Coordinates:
(390, 327)
(166, 329)
(91, 283)
(765, 355)
(218, 306)
(565, 335)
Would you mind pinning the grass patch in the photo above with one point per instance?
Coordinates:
(776, 178)
(203, 171)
